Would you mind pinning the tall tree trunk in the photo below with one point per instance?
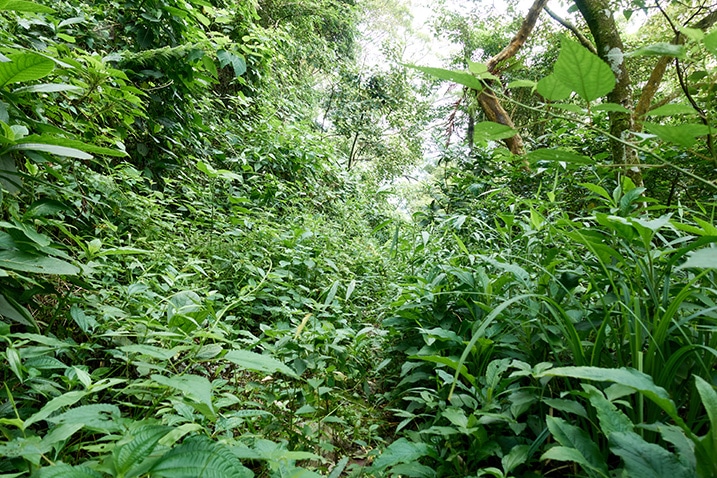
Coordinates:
(599, 16)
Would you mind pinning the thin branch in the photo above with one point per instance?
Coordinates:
(658, 72)
(683, 83)
(489, 102)
(519, 39)
(578, 34)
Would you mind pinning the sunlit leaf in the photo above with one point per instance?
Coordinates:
(624, 376)
(682, 134)
(401, 451)
(194, 387)
(199, 456)
(552, 89)
(557, 155)
(460, 77)
(24, 67)
(63, 470)
(490, 131)
(583, 72)
(24, 6)
(647, 460)
(573, 437)
(258, 362)
(24, 262)
(710, 41)
(701, 259)
(659, 49)
(672, 109)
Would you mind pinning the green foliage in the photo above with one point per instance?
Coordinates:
(191, 284)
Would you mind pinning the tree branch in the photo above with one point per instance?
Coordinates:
(578, 34)
(519, 39)
(487, 99)
(658, 72)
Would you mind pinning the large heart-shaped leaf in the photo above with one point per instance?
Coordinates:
(583, 71)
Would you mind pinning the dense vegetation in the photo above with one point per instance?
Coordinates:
(203, 271)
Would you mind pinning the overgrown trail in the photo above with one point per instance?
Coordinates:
(203, 274)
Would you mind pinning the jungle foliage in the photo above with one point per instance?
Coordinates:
(197, 279)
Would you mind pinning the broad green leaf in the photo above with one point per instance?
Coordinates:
(682, 134)
(709, 401)
(446, 361)
(238, 62)
(137, 446)
(339, 468)
(557, 155)
(48, 88)
(61, 433)
(611, 418)
(24, 262)
(401, 451)
(15, 362)
(456, 416)
(102, 417)
(11, 309)
(515, 457)
(152, 351)
(710, 41)
(72, 144)
(29, 232)
(490, 131)
(552, 89)
(178, 432)
(30, 449)
(647, 460)
(200, 457)
(51, 148)
(576, 438)
(694, 34)
(194, 387)
(350, 289)
(63, 470)
(599, 190)
(563, 453)
(48, 340)
(413, 470)
(628, 377)
(480, 70)
(672, 109)
(65, 400)
(522, 84)
(24, 67)
(610, 107)
(659, 49)
(583, 72)
(332, 293)
(218, 173)
(258, 362)
(568, 406)
(460, 77)
(570, 107)
(24, 6)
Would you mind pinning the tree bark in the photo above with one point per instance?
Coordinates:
(487, 99)
(598, 14)
(658, 72)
